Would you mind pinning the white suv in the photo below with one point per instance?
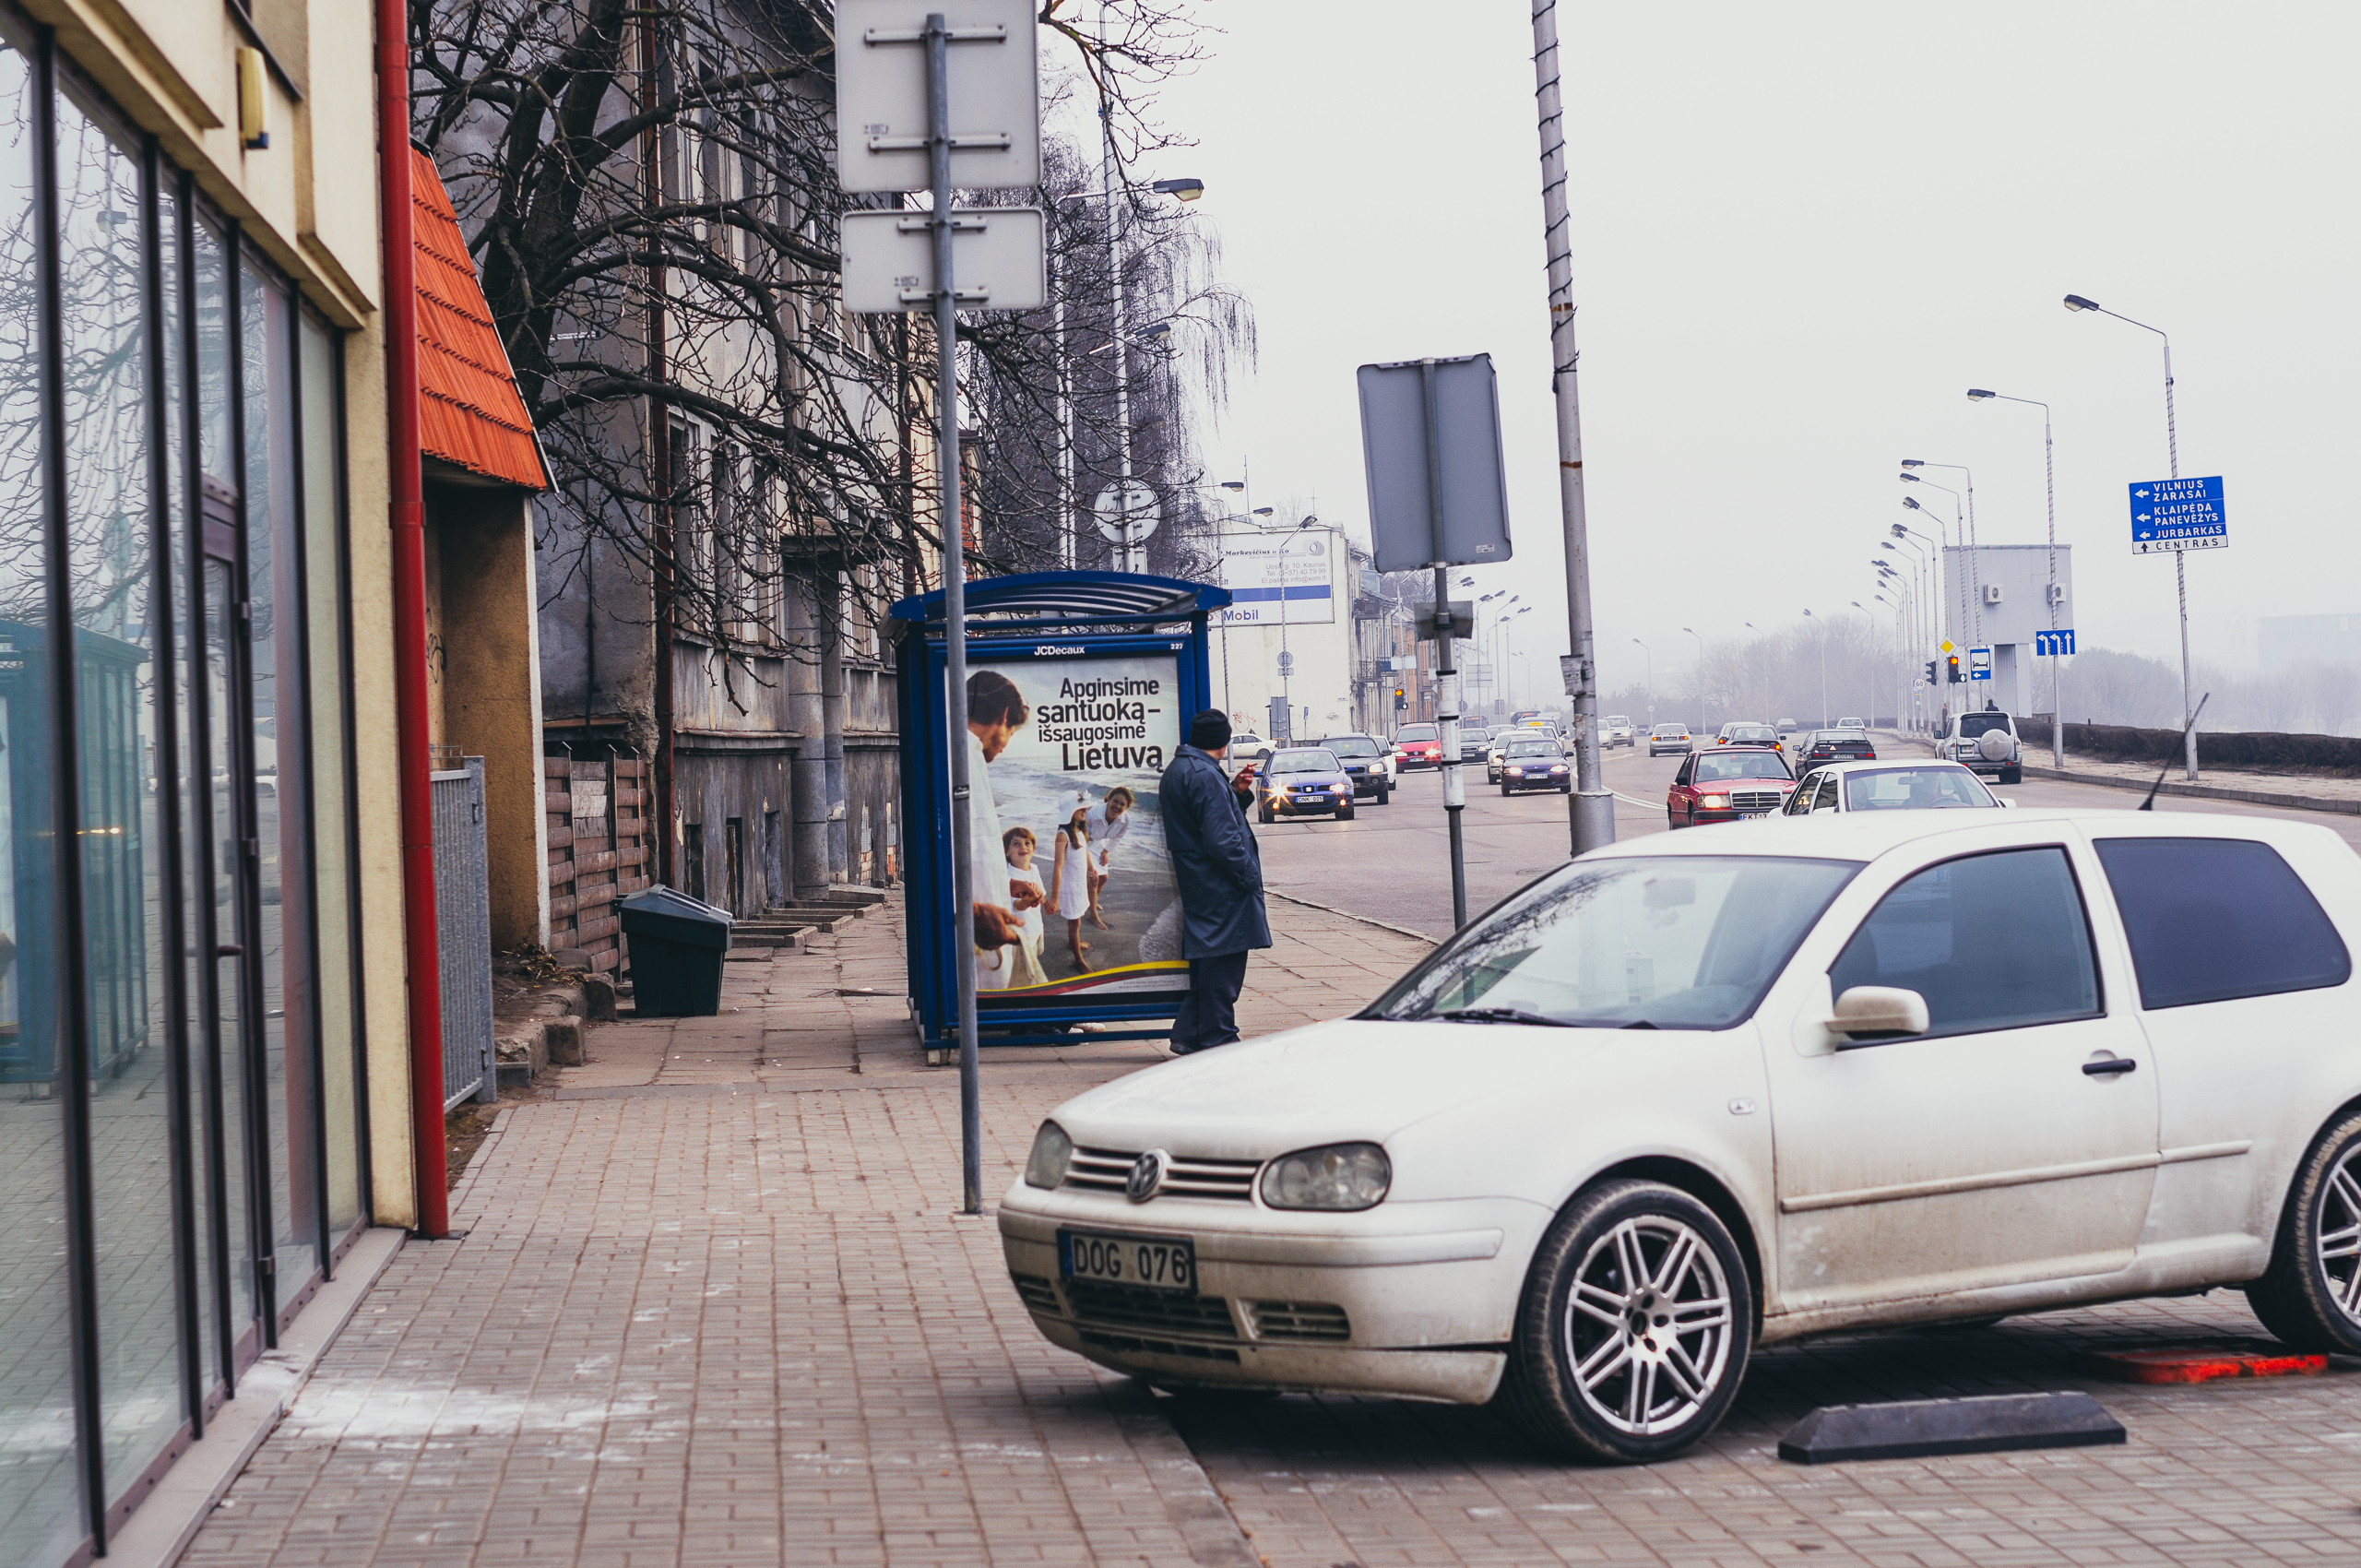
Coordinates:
(1984, 740)
(1617, 730)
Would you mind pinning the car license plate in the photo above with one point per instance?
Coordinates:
(1159, 1262)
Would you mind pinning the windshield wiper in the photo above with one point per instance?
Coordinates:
(1639, 1024)
(1500, 1015)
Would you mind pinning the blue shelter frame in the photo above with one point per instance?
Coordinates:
(1011, 620)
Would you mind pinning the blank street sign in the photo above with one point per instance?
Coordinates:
(881, 94)
(1474, 483)
(995, 258)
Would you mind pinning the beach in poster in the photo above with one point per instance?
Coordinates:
(1071, 799)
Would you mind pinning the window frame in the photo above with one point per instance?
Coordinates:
(2090, 939)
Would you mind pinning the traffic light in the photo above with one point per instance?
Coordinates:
(1931, 671)
(1401, 698)
(1954, 676)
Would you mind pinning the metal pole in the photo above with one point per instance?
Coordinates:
(1286, 653)
(1131, 561)
(1592, 805)
(1454, 794)
(954, 611)
(1069, 518)
(2181, 575)
(2057, 670)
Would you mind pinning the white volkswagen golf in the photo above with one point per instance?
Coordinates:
(1700, 1092)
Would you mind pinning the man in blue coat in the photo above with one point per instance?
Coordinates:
(1220, 873)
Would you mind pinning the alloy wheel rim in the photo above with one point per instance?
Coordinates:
(1647, 1324)
(2338, 1248)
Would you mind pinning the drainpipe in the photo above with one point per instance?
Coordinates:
(420, 950)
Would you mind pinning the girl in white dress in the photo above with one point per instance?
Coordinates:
(1070, 883)
(1017, 843)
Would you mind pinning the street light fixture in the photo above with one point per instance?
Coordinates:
(2049, 475)
(2181, 557)
(1183, 189)
(1972, 617)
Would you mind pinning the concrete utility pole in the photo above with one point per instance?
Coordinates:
(1592, 804)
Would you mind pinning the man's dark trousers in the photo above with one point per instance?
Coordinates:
(1210, 1018)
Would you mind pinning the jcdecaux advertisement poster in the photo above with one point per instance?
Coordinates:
(1073, 889)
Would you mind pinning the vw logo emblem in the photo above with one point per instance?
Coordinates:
(1147, 1175)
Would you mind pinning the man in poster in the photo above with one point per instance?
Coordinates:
(1220, 875)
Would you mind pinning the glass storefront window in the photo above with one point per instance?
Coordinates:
(42, 1509)
(110, 539)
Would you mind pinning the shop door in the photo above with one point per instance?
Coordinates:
(229, 1052)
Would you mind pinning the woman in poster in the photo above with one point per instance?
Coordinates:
(1070, 883)
(1110, 820)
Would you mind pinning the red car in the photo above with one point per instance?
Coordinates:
(1727, 784)
(1419, 745)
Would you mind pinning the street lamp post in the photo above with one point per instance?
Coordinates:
(1651, 687)
(1823, 669)
(1701, 676)
(1968, 536)
(2050, 476)
(1971, 622)
(1870, 665)
(2181, 557)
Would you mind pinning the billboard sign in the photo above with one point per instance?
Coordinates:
(1067, 823)
(1255, 567)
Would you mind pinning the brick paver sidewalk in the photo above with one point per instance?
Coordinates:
(714, 1306)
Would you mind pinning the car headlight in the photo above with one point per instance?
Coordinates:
(1046, 1165)
(1518, 771)
(1337, 1176)
(1557, 767)
(1714, 802)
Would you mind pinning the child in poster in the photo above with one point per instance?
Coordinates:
(1018, 845)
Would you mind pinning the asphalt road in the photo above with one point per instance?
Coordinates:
(1393, 862)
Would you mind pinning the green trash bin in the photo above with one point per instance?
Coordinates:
(676, 944)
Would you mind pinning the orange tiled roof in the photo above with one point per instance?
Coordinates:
(468, 411)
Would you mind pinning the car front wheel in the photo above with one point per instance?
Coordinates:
(2310, 1297)
(1634, 1329)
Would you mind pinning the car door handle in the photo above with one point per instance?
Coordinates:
(2108, 1068)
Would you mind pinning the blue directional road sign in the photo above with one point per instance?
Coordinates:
(2179, 514)
(1979, 664)
(2045, 643)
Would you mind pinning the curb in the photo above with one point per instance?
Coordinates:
(1364, 920)
(2203, 792)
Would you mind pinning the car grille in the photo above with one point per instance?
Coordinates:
(1300, 1320)
(1106, 1170)
(1037, 1293)
(1756, 800)
(1131, 1306)
(1143, 1347)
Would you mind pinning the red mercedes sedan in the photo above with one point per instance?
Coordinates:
(1727, 784)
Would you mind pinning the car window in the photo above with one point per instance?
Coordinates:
(1418, 733)
(1351, 745)
(1971, 725)
(1800, 802)
(1915, 788)
(1669, 732)
(1825, 797)
(1530, 748)
(1688, 767)
(1619, 720)
(1992, 942)
(1672, 942)
(2212, 919)
(1306, 759)
(1713, 765)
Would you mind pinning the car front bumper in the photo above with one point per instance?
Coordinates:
(1418, 1302)
(1295, 805)
(1536, 781)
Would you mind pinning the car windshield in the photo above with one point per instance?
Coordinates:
(1417, 732)
(1673, 941)
(1351, 745)
(1915, 788)
(1307, 759)
(1713, 766)
(1754, 735)
(1530, 748)
(1617, 721)
(1971, 725)
(1671, 729)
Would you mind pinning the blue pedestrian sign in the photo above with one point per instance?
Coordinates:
(2179, 514)
(2046, 644)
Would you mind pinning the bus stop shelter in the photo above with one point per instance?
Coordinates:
(1080, 689)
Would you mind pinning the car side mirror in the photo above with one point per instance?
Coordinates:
(1868, 1014)
(2009, 804)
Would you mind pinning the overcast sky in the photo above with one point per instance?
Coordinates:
(1800, 234)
